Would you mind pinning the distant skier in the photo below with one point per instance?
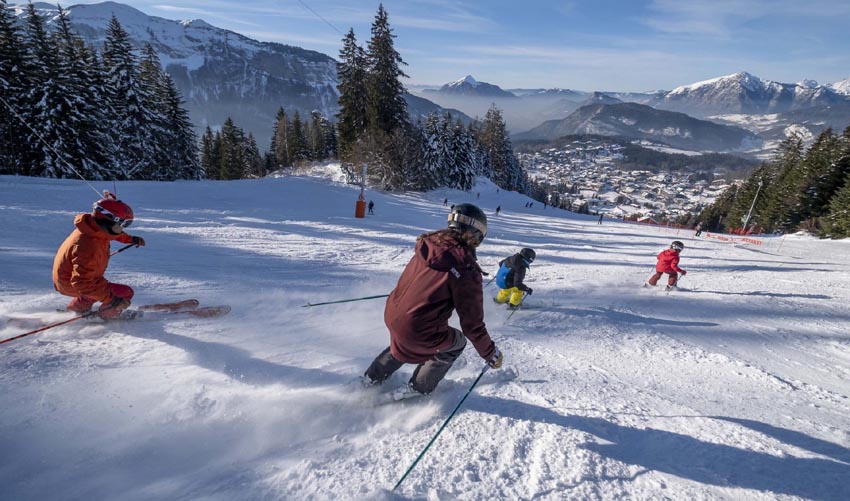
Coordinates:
(82, 259)
(442, 276)
(600, 219)
(445, 202)
(498, 210)
(371, 207)
(510, 276)
(668, 262)
(698, 230)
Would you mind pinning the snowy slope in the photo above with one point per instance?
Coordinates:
(736, 389)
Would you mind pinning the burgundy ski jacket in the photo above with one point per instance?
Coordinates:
(442, 276)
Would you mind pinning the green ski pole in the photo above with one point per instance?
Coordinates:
(421, 454)
(344, 300)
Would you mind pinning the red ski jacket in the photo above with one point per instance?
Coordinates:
(82, 259)
(442, 277)
(668, 262)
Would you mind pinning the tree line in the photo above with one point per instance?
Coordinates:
(69, 110)
(231, 154)
(799, 189)
(374, 127)
(113, 115)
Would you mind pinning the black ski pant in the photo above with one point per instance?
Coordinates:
(427, 375)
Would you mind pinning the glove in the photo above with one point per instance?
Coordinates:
(684, 273)
(113, 308)
(139, 241)
(496, 361)
(529, 290)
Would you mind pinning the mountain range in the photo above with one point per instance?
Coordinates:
(640, 121)
(221, 73)
(748, 94)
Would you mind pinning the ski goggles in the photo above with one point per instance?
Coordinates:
(124, 223)
(469, 221)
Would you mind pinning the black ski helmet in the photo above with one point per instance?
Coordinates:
(467, 217)
(677, 246)
(528, 254)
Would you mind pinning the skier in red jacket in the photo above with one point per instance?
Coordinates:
(668, 262)
(442, 277)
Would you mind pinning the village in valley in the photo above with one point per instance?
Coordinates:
(587, 178)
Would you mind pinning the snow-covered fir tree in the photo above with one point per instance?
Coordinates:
(279, 150)
(494, 139)
(45, 109)
(12, 86)
(125, 98)
(91, 147)
(231, 152)
(296, 141)
(352, 72)
(386, 107)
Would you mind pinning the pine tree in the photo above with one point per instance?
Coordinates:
(180, 135)
(351, 71)
(254, 166)
(836, 223)
(209, 154)
(386, 107)
(279, 148)
(296, 141)
(462, 152)
(829, 159)
(125, 98)
(433, 170)
(158, 162)
(231, 152)
(493, 136)
(47, 110)
(329, 138)
(13, 83)
(318, 149)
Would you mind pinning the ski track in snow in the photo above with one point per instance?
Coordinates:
(737, 387)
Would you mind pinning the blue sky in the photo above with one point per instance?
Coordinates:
(616, 45)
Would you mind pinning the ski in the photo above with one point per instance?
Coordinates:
(196, 311)
(402, 393)
(176, 305)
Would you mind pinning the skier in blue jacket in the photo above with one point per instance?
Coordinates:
(510, 276)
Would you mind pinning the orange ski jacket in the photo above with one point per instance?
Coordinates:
(82, 259)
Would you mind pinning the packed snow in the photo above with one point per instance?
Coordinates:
(736, 387)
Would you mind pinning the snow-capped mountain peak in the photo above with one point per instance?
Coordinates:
(842, 87)
(468, 80)
(469, 86)
(743, 92)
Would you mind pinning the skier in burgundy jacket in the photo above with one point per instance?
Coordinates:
(668, 262)
(443, 276)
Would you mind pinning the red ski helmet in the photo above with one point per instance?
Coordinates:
(113, 210)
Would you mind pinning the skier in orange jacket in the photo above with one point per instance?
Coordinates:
(82, 259)
(668, 262)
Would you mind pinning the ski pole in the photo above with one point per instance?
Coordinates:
(57, 324)
(517, 306)
(122, 249)
(434, 438)
(343, 300)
